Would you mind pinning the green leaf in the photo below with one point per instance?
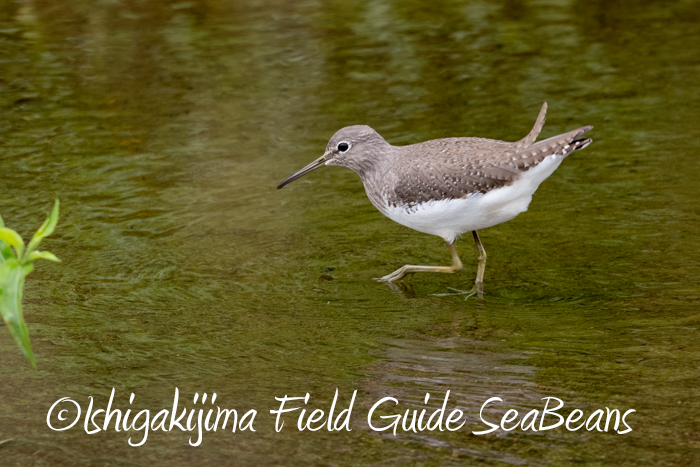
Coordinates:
(46, 229)
(5, 252)
(43, 255)
(12, 238)
(14, 267)
(50, 224)
(12, 275)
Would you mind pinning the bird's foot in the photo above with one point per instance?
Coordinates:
(410, 269)
(477, 290)
(394, 276)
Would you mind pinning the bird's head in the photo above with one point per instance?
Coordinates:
(353, 147)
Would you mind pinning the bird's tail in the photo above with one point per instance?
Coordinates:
(579, 144)
(559, 145)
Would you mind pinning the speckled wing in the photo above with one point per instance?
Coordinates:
(454, 168)
(449, 168)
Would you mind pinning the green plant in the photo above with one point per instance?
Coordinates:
(16, 262)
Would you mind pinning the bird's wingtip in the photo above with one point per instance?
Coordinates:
(536, 129)
(585, 129)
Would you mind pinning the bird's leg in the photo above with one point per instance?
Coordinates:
(482, 259)
(478, 288)
(481, 268)
(410, 269)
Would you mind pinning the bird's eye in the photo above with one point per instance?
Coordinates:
(343, 146)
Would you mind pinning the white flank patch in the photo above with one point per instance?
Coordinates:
(450, 218)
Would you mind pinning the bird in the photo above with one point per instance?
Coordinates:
(451, 186)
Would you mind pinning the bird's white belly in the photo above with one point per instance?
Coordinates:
(453, 217)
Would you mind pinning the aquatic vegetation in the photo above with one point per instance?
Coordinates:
(16, 262)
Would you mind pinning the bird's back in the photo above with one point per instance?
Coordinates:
(454, 168)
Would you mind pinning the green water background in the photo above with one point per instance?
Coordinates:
(164, 128)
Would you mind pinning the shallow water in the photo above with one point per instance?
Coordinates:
(164, 128)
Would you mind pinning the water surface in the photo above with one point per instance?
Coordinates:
(164, 128)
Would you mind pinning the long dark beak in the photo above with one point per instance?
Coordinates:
(309, 168)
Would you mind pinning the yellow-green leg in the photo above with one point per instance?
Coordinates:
(478, 288)
(410, 269)
(481, 268)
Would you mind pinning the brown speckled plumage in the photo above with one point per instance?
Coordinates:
(449, 168)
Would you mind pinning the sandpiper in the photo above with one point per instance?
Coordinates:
(450, 186)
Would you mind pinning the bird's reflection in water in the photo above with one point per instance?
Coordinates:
(402, 289)
(473, 371)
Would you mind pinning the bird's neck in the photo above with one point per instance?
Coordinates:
(368, 167)
(363, 168)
